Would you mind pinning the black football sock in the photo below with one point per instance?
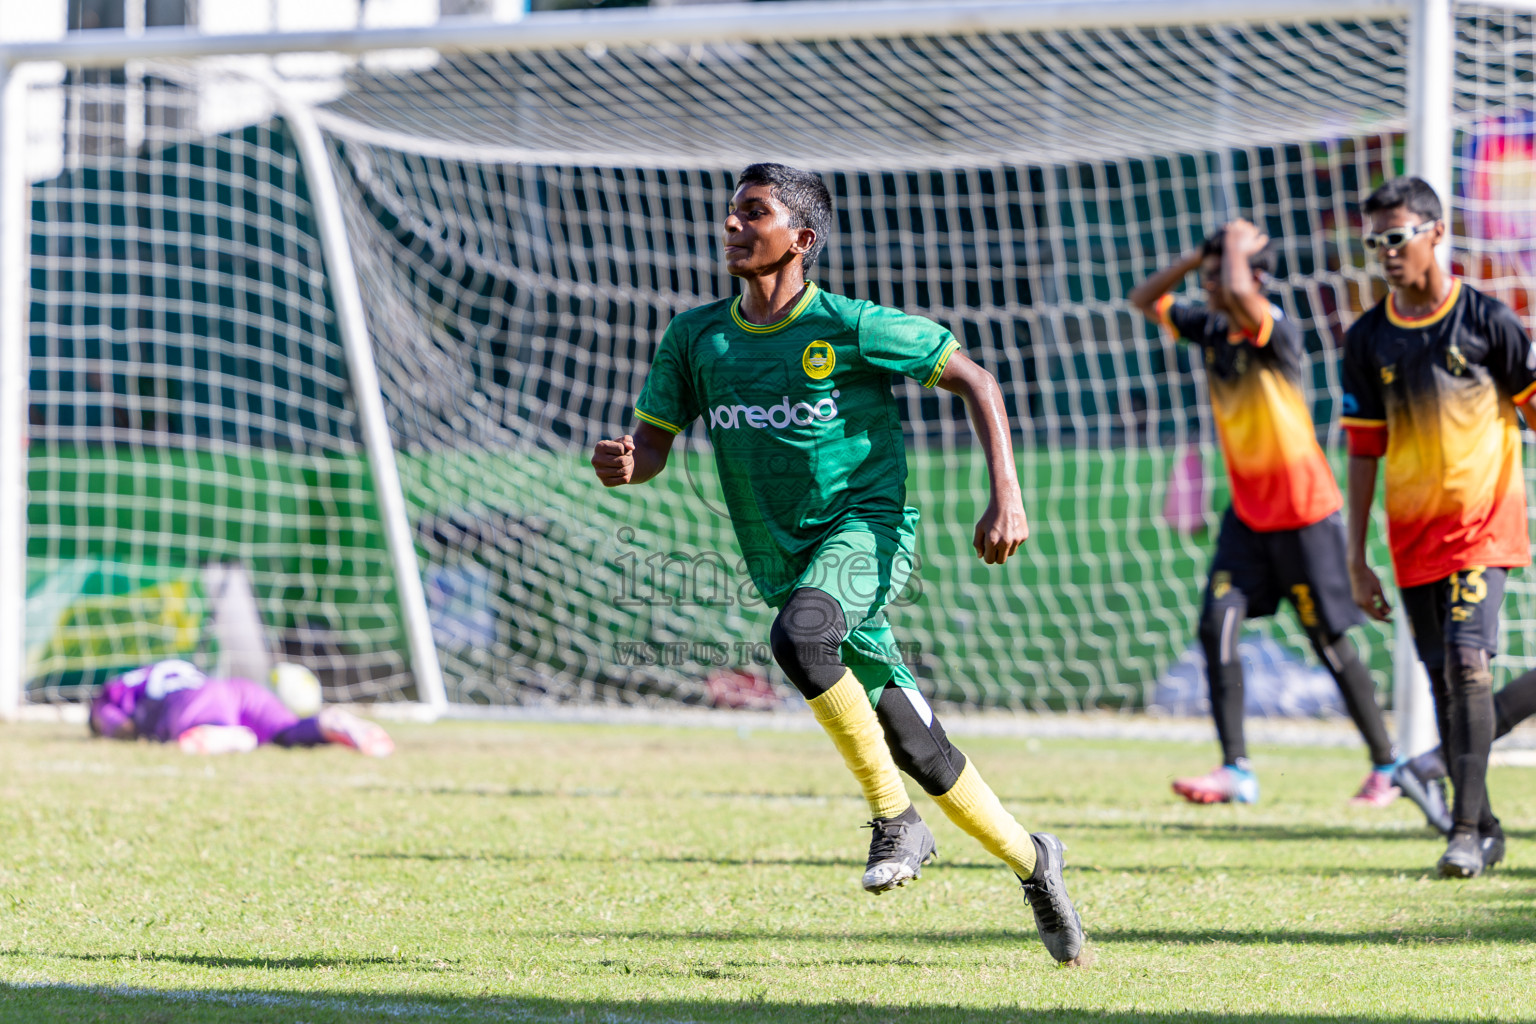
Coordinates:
(1359, 692)
(1471, 683)
(1220, 624)
(1511, 706)
(1514, 704)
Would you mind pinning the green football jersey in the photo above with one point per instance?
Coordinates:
(801, 416)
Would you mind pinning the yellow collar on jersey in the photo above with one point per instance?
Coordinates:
(794, 314)
(1434, 316)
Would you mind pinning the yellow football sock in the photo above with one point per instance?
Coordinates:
(845, 713)
(971, 804)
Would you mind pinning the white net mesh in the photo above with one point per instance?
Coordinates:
(1494, 212)
(525, 225)
(189, 404)
(524, 256)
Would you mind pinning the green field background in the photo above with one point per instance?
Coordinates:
(1097, 603)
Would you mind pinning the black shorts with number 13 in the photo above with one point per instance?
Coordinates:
(1461, 610)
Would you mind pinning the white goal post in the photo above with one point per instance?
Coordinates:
(496, 94)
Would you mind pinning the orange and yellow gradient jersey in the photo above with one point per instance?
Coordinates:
(1280, 478)
(1436, 395)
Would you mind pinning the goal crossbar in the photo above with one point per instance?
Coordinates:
(745, 23)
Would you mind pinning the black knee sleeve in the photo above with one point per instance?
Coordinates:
(1221, 625)
(917, 741)
(805, 638)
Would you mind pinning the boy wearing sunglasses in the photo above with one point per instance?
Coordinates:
(1432, 376)
(1282, 536)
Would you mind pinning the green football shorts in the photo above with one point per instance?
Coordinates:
(863, 566)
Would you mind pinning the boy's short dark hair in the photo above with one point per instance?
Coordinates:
(1261, 262)
(806, 196)
(1412, 194)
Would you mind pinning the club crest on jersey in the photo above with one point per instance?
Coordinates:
(818, 360)
(1455, 362)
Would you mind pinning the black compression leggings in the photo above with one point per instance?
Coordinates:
(1220, 625)
(805, 639)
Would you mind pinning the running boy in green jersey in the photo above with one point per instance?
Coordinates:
(795, 384)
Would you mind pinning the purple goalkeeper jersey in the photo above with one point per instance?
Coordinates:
(215, 702)
(223, 702)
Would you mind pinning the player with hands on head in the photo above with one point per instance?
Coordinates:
(795, 384)
(1282, 536)
(1432, 378)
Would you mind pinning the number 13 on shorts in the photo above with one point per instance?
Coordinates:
(1467, 588)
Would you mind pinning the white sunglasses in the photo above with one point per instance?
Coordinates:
(1395, 238)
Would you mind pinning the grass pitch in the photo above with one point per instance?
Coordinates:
(533, 873)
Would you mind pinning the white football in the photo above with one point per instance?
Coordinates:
(298, 688)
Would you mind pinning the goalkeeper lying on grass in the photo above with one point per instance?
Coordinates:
(171, 701)
(796, 384)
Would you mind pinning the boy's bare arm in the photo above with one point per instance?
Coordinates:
(633, 458)
(1363, 581)
(1003, 526)
(1145, 295)
(1244, 299)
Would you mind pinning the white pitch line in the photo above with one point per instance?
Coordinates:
(330, 1003)
(1524, 758)
(1105, 725)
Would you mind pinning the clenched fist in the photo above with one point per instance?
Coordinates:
(614, 461)
(1002, 528)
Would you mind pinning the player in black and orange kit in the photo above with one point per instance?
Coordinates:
(1282, 536)
(1432, 378)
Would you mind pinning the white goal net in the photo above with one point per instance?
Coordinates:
(524, 223)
